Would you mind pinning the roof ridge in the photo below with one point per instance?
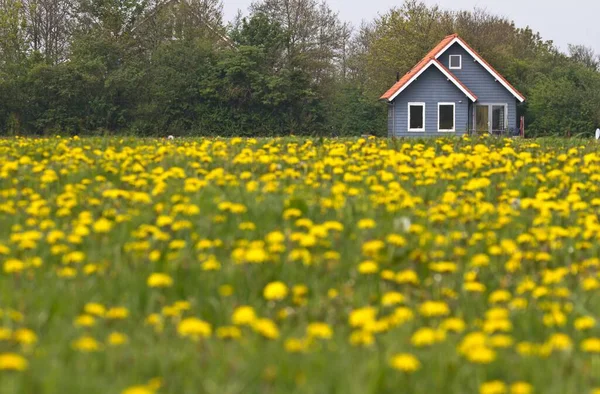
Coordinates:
(417, 67)
(434, 53)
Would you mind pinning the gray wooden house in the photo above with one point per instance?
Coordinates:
(452, 90)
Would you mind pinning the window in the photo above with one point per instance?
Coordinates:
(416, 116)
(445, 116)
(455, 62)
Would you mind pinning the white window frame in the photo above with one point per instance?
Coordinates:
(453, 118)
(416, 105)
(459, 62)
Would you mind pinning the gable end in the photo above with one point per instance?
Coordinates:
(485, 64)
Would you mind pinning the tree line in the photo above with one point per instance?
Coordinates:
(158, 67)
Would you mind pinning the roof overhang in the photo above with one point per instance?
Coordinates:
(443, 70)
(486, 65)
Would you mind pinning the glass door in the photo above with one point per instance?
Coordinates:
(482, 119)
(498, 119)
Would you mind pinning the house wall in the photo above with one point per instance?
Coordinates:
(390, 109)
(432, 87)
(481, 83)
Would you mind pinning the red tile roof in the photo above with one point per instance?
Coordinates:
(433, 55)
(419, 66)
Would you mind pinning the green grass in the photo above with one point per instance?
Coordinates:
(539, 214)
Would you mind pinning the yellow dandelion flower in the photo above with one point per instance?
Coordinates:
(584, 323)
(139, 389)
(361, 338)
(275, 291)
(243, 315)
(194, 328)
(426, 336)
(360, 317)
(480, 260)
(392, 298)
(443, 267)
(159, 280)
(102, 226)
(590, 284)
(434, 308)
(295, 345)
(25, 336)
(521, 388)
(319, 330)
(407, 276)
(405, 362)
(117, 339)
(12, 362)
(590, 345)
(396, 240)
(493, 387)
(559, 341)
(14, 266)
(366, 224)
(266, 327)
(481, 355)
(86, 344)
(453, 324)
(368, 267)
(66, 272)
(372, 248)
(256, 255)
(499, 296)
(229, 332)
(117, 313)
(84, 321)
(474, 287)
(94, 309)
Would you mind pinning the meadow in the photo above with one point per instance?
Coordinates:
(294, 265)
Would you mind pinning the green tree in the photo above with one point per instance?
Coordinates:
(565, 102)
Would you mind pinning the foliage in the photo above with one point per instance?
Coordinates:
(566, 100)
(152, 67)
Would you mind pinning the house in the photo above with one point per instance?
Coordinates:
(452, 90)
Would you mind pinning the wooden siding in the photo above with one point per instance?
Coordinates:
(481, 83)
(390, 120)
(431, 88)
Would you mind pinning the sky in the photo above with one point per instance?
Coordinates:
(564, 22)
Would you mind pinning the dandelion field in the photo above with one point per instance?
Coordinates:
(142, 266)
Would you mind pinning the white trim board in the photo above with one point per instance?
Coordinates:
(479, 59)
(441, 68)
(459, 67)
(453, 119)
(408, 125)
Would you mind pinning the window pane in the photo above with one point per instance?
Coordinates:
(416, 116)
(482, 118)
(446, 117)
(497, 118)
(455, 61)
